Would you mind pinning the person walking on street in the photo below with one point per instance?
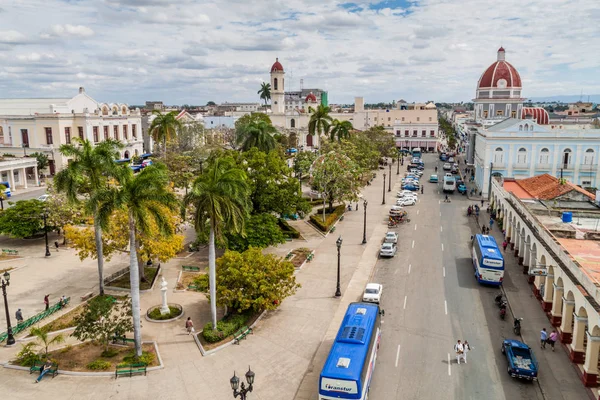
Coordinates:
(466, 349)
(460, 350)
(189, 326)
(421, 189)
(552, 339)
(47, 301)
(504, 245)
(56, 245)
(44, 370)
(491, 222)
(19, 316)
(482, 201)
(543, 338)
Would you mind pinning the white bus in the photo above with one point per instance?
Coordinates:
(449, 184)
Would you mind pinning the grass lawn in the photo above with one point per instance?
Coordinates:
(123, 281)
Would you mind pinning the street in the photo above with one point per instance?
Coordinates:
(431, 299)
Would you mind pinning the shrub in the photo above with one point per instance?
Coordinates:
(108, 353)
(226, 327)
(156, 314)
(27, 356)
(202, 282)
(331, 218)
(99, 365)
(146, 358)
(287, 229)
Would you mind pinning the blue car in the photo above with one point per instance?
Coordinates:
(462, 189)
(410, 187)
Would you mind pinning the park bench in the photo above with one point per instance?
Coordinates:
(10, 252)
(288, 239)
(191, 286)
(87, 296)
(20, 327)
(310, 257)
(130, 369)
(241, 334)
(190, 268)
(116, 339)
(38, 366)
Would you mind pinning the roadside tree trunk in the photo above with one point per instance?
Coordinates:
(98, 238)
(212, 276)
(134, 279)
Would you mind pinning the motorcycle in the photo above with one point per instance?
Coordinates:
(517, 326)
(498, 299)
(503, 310)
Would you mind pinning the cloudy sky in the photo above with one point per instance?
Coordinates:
(191, 51)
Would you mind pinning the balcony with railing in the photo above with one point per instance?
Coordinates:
(520, 165)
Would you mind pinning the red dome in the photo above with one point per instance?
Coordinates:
(277, 67)
(539, 114)
(311, 98)
(500, 70)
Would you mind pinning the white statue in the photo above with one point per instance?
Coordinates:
(164, 309)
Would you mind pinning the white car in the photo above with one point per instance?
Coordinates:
(387, 250)
(406, 202)
(391, 237)
(372, 293)
(406, 193)
(44, 197)
(447, 167)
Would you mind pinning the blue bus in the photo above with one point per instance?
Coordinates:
(416, 152)
(487, 260)
(349, 367)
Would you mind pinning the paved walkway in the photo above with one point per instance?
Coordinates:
(280, 351)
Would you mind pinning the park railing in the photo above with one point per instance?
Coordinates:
(20, 327)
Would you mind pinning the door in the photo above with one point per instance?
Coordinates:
(52, 167)
(309, 140)
(25, 137)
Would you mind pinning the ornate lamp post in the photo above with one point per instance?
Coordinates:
(45, 218)
(3, 284)
(398, 164)
(365, 222)
(383, 202)
(390, 180)
(338, 243)
(235, 384)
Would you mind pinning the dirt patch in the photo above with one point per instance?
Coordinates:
(187, 278)
(76, 358)
(5, 269)
(123, 281)
(4, 257)
(299, 256)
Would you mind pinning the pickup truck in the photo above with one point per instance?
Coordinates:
(521, 361)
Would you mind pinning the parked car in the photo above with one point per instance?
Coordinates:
(462, 189)
(372, 293)
(447, 167)
(411, 187)
(433, 178)
(407, 192)
(44, 197)
(387, 250)
(391, 237)
(408, 201)
(521, 361)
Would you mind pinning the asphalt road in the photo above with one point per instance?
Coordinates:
(34, 194)
(431, 299)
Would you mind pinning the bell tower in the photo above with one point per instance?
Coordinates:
(277, 88)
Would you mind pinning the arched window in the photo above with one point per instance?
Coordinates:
(544, 156)
(526, 128)
(105, 110)
(499, 156)
(275, 84)
(124, 110)
(588, 158)
(293, 123)
(522, 156)
(567, 157)
(126, 154)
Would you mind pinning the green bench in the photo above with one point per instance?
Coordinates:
(130, 369)
(193, 287)
(310, 257)
(20, 327)
(37, 367)
(116, 339)
(241, 334)
(190, 268)
(10, 252)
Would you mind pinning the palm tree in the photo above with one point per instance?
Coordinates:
(320, 120)
(142, 197)
(265, 92)
(44, 341)
(257, 134)
(221, 200)
(341, 129)
(87, 173)
(164, 127)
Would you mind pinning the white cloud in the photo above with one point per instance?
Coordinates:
(12, 37)
(71, 30)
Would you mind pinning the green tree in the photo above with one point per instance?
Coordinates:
(62, 212)
(164, 127)
(44, 340)
(181, 170)
(102, 318)
(337, 176)
(220, 200)
(340, 130)
(252, 117)
(257, 134)
(265, 92)
(320, 120)
(88, 172)
(23, 219)
(42, 160)
(254, 281)
(190, 138)
(211, 103)
(302, 163)
(143, 197)
(261, 230)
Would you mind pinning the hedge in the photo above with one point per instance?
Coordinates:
(317, 219)
(228, 326)
(287, 229)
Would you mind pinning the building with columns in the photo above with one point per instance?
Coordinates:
(559, 257)
(43, 125)
(17, 171)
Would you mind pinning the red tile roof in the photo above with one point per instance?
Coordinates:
(543, 187)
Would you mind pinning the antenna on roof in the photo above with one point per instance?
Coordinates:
(301, 84)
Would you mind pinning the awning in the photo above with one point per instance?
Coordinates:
(123, 161)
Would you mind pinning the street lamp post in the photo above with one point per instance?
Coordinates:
(235, 384)
(365, 222)
(45, 217)
(383, 202)
(338, 243)
(390, 180)
(398, 164)
(4, 283)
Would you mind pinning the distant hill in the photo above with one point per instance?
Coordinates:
(594, 98)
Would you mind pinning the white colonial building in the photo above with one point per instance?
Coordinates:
(43, 125)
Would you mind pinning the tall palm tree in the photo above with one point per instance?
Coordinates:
(320, 120)
(265, 92)
(88, 171)
(221, 200)
(340, 129)
(142, 197)
(257, 134)
(164, 127)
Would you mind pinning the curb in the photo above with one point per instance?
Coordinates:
(27, 339)
(164, 321)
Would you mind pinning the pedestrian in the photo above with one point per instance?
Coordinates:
(482, 201)
(504, 245)
(421, 189)
(460, 350)
(189, 326)
(47, 301)
(483, 229)
(356, 206)
(44, 370)
(543, 338)
(56, 245)
(63, 301)
(19, 316)
(466, 349)
(552, 339)
(491, 223)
